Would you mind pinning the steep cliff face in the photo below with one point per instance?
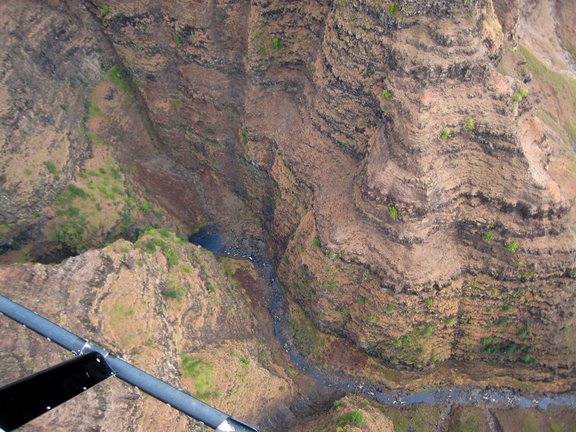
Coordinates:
(40, 134)
(431, 195)
(66, 103)
(389, 152)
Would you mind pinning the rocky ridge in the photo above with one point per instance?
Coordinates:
(164, 305)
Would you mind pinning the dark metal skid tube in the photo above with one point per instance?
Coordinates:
(123, 370)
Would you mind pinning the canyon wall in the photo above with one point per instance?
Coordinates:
(398, 171)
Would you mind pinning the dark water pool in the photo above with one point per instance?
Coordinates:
(209, 238)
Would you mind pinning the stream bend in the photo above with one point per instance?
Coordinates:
(210, 239)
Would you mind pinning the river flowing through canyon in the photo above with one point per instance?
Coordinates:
(210, 239)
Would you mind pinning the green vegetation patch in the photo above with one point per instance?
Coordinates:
(489, 235)
(392, 212)
(119, 76)
(91, 136)
(508, 349)
(93, 109)
(153, 238)
(104, 9)
(277, 43)
(469, 124)
(410, 348)
(426, 331)
(513, 246)
(174, 290)
(201, 373)
(520, 94)
(353, 418)
(387, 94)
(96, 203)
(305, 333)
(445, 134)
(52, 169)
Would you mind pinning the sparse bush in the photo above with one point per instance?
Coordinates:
(76, 191)
(445, 134)
(387, 94)
(316, 242)
(392, 212)
(52, 168)
(354, 418)
(519, 94)
(469, 125)
(146, 207)
(201, 372)
(427, 331)
(529, 359)
(119, 76)
(174, 294)
(489, 235)
(104, 9)
(277, 43)
(513, 246)
(392, 8)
